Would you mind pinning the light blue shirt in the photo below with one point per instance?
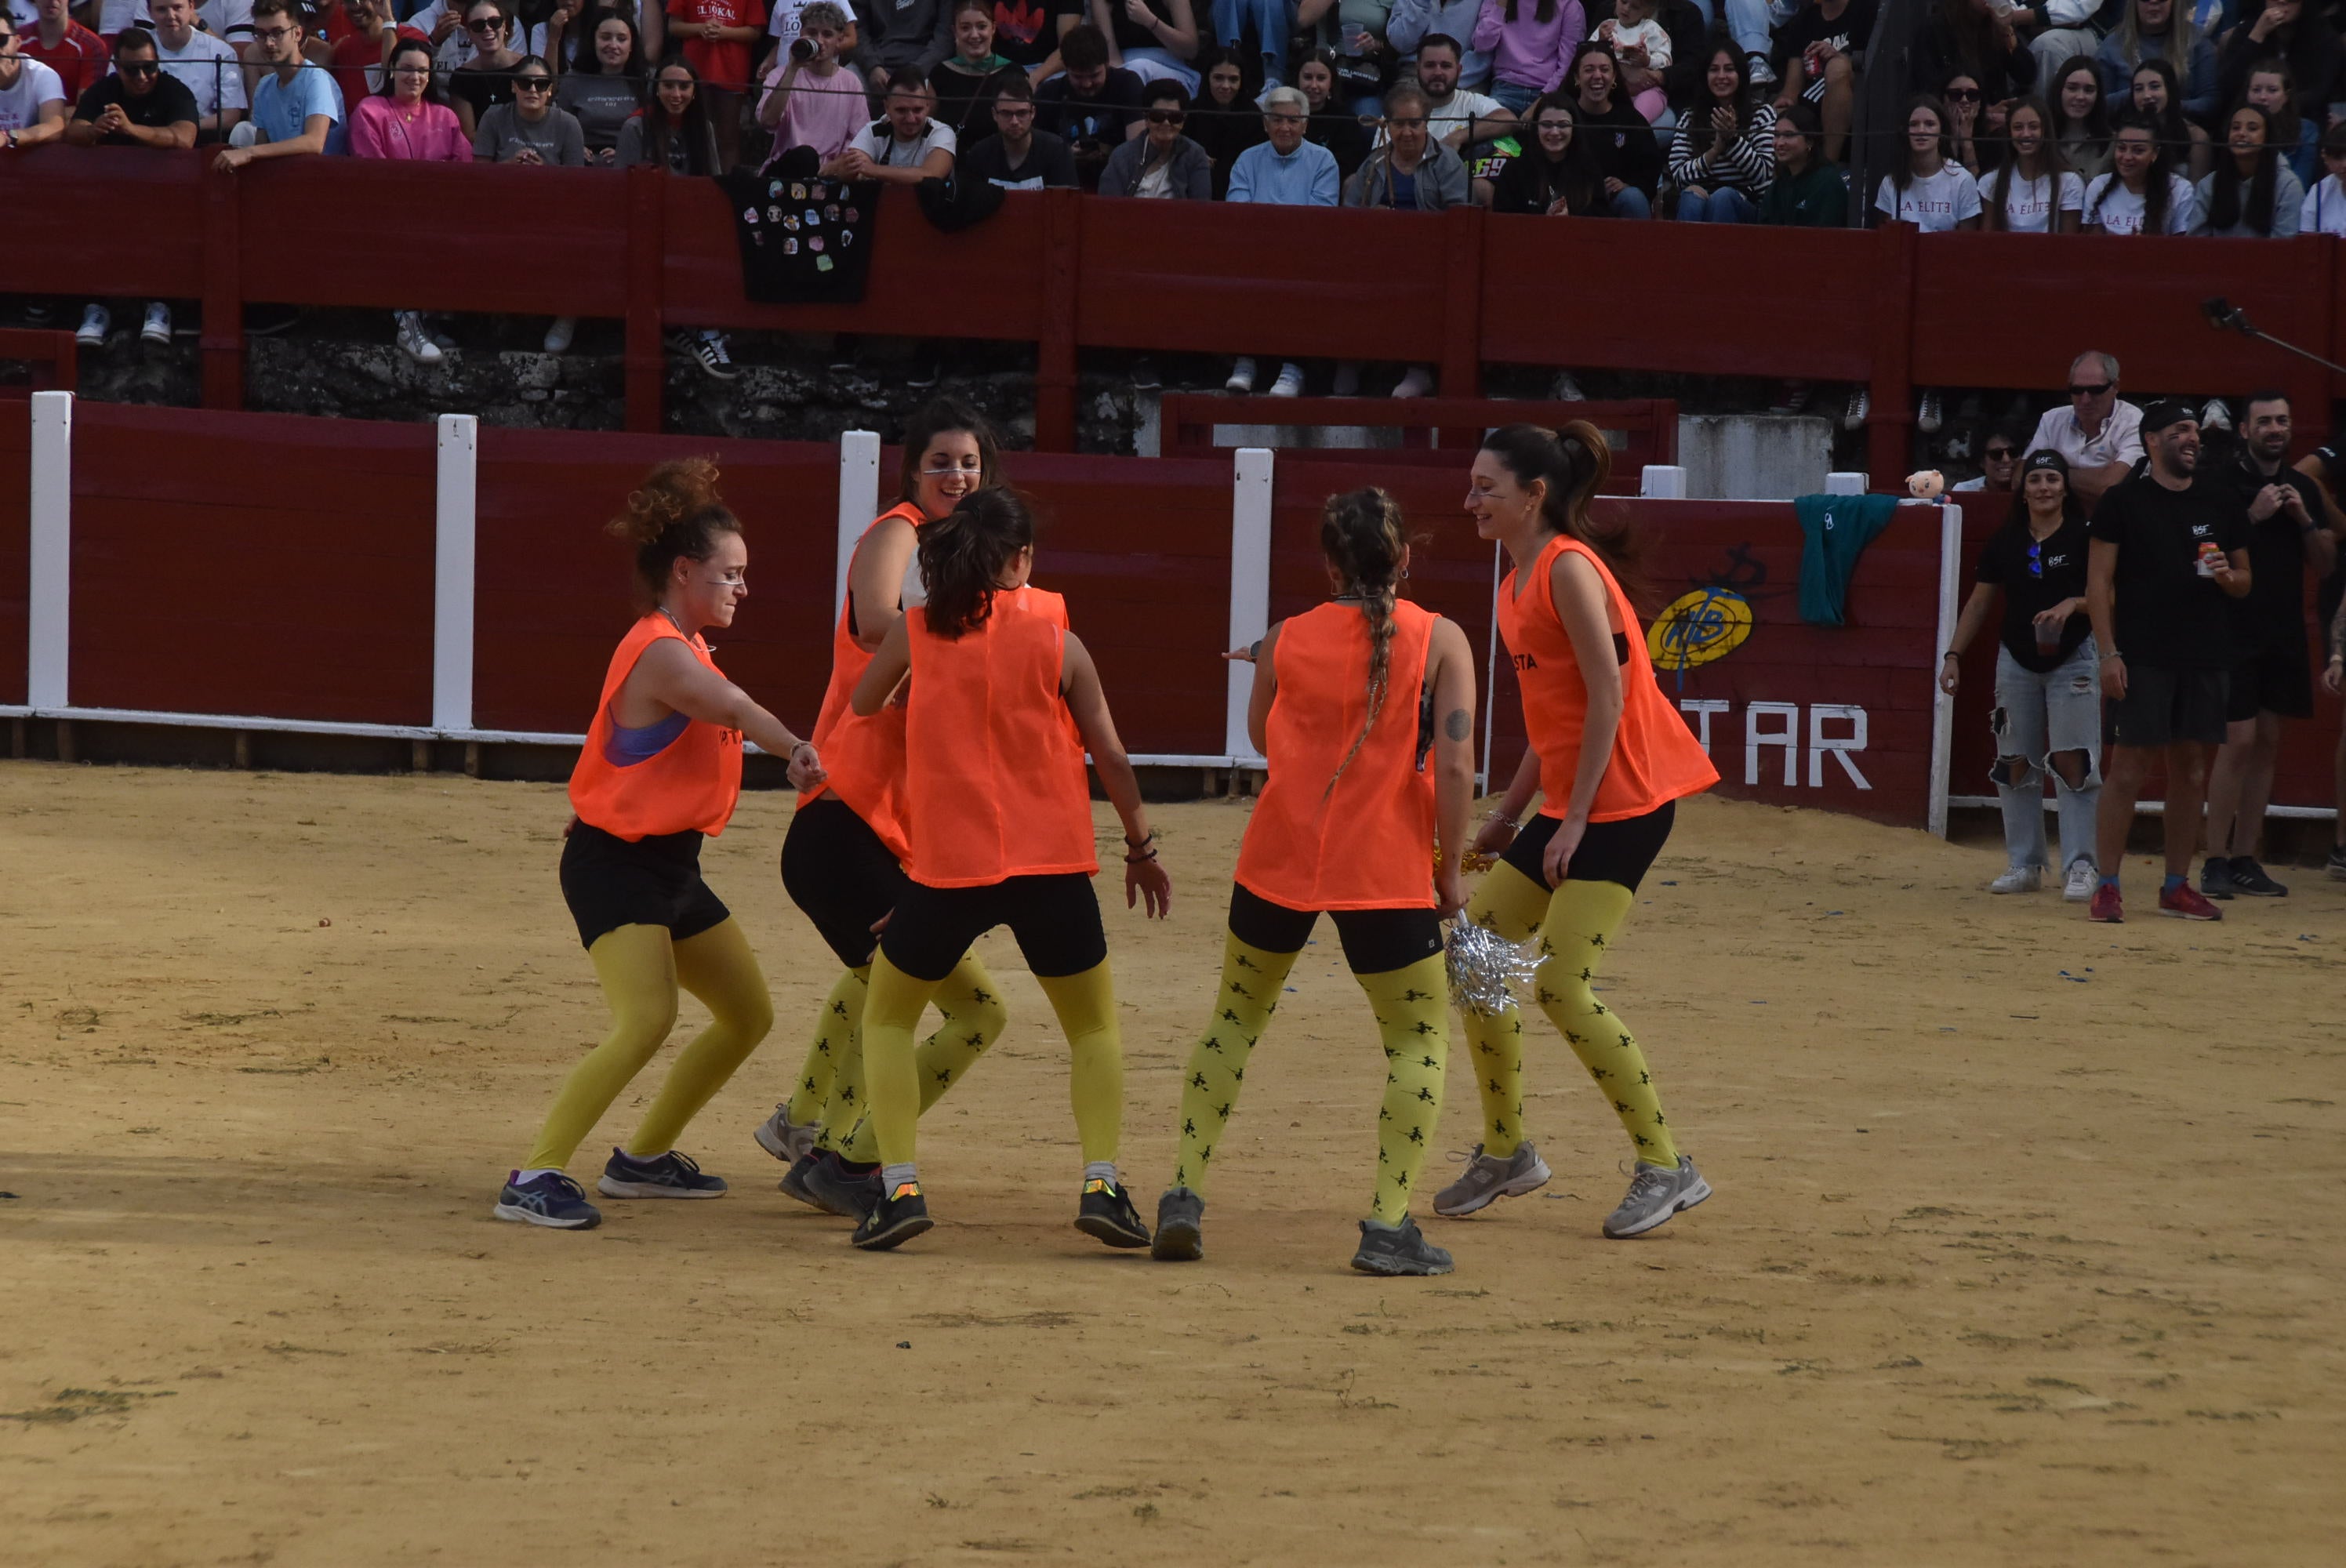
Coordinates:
(1306, 178)
(281, 113)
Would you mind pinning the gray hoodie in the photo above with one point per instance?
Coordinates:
(1440, 181)
(898, 33)
(1190, 177)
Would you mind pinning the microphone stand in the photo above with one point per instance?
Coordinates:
(2224, 316)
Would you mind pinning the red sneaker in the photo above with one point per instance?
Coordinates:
(2184, 902)
(2105, 906)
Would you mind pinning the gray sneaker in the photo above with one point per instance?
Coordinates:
(785, 1139)
(1655, 1194)
(849, 1190)
(1488, 1177)
(1398, 1252)
(1180, 1221)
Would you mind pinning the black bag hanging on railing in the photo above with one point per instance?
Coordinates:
(805, 240)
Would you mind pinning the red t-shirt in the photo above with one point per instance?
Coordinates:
(722, 65)
(354, 50)
(79, 57)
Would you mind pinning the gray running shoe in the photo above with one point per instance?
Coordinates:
(1181, 1227)
(1655, 1194)
(2248, 877)
(847, 1190)
(1398, 1252)
(1488, 1177)
(783, 1138)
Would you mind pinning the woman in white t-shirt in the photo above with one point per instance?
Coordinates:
(1928, 190)
(2142, 194)
(2034, 192)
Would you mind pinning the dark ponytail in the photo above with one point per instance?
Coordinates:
(1575, 462)
(1363, 535)
(963, 553)
(676, 514)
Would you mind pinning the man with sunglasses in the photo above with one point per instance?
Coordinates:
(297, 105)
(138, 106)
(2098, 433)
(1999, 463)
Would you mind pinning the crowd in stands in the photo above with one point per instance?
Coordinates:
(2118, 116)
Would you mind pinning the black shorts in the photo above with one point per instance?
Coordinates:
(609, 883)
(2162, 706)
(1055, 920)
(837, 871)
(1376, 941)
(2274, 681)
(1620, 852)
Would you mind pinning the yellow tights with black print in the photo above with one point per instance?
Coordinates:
(831, 1087)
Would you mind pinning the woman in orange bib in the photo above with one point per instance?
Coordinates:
(841, 858)
(1610, 756)
(1000, 820)
(1351, 702)
(660, 771)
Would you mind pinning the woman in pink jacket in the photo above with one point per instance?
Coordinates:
(1530, 43)
(409, 117)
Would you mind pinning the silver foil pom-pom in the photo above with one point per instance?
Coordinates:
(1484, 965)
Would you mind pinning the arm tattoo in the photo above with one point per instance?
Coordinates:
(1457, 726)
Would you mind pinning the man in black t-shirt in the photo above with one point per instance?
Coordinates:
(1093, 107)
(2326, 466)
(138, 105)
(2269, 681)
(1018, 157)
(2168, 554)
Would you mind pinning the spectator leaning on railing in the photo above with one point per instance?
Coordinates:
(607, 91)
(905, 147)
(408, 119)
(1724, 156)
(138, 106)
(1161, 162)
(206, 66)
(1283, 170)
(2099, 434)
(532, 131)
(32, 98)
(296, 107)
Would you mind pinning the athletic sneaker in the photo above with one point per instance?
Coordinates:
(558, 336)
(2106, 906)
(783, 1138)
(1398, 1252)
(1181, 1227)
(2018, 879)
(1488, 1178)
(550, 1199)
(895, 1219)
(672, 1174)
(712, 352)
(2182, 902)
(840, 1185)
(2336, 865)
(794, 1182)
(2079, 886)
(412, 341)
(2248, 877)
(1417, 382)
(1931, 416)
(95, 323)
(2216, 878)
(1860, 409)
(1656, 1193)
(1242, 376)
(1106, 1212)
(1289, 383)
(157, 328)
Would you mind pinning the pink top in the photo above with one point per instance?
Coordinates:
(381, 129)
(821, 112)
(1528, 52)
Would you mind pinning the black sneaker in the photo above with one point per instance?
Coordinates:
(2216, 878)
(838, 1184)
(550, 1199)
(1403, 1251)
(1106, 1212)
(794, 1180)
(2248, 877)
(895, 1219)
(670, 1176)
(1180, 1218)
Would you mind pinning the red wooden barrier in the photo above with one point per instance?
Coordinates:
(16, 566)
(52, 356)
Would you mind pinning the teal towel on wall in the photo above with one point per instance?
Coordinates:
(1835, 531)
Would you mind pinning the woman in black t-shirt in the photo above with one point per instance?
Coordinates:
(2048, 692)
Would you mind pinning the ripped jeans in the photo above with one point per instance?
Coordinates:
(2037, 717)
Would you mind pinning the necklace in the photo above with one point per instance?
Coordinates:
(677, 623)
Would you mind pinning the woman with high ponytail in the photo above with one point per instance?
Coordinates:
(1352, 700)
(660, 771)
(1002, 704)
(1612, 757)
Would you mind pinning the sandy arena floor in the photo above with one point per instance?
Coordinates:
(2027, 1248)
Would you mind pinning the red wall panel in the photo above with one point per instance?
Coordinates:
(16, 453)
(117, 220)
(252, 564)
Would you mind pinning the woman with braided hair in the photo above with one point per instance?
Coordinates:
(1612, 757)
(660, 771)
(1350, 699)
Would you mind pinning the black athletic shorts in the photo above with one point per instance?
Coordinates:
(1620, 852)
(837, 871)
(609, 883)
(2274, 681)
(1055, 920)
(2162, 706)
(1376, 941)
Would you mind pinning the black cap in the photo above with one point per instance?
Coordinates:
(2166, 412)
(2045, 457)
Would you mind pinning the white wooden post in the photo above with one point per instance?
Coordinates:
(454, 564)
(859, 499)
(1943, 706)
(1842, 482)
(1251, 472)
(49, 619)
(1662, 482)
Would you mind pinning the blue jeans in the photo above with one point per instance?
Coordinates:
(1161, 64)
(1746, 20)
(1718, 207)
(1514, 98)
(1631, 202)
(2036, 717)
(1273, 20)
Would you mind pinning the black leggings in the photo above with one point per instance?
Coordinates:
(1620, 852)
(835, 868)
(1376, 941)
(1055, 919)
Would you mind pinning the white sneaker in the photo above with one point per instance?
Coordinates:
(558, 336)
(1241, 377)
(412, 341)
(1929, 418)
(784, 1139)
(1417, 384)
(157, 329)
(2216, 414)
(1860, 409)
(1763, 74)
(2022, 880)
(1564, 389)
(2079, 886)
(95, 323)
(1289, 383)
(711, 352)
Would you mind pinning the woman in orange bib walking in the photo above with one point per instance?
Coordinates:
(660, 771)
(1610, 756)
(1351, 702)
(1001, 834)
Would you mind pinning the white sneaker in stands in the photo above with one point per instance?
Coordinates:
(1241, 377)
(1417, 384)
(1289, 383)
(157, 328)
